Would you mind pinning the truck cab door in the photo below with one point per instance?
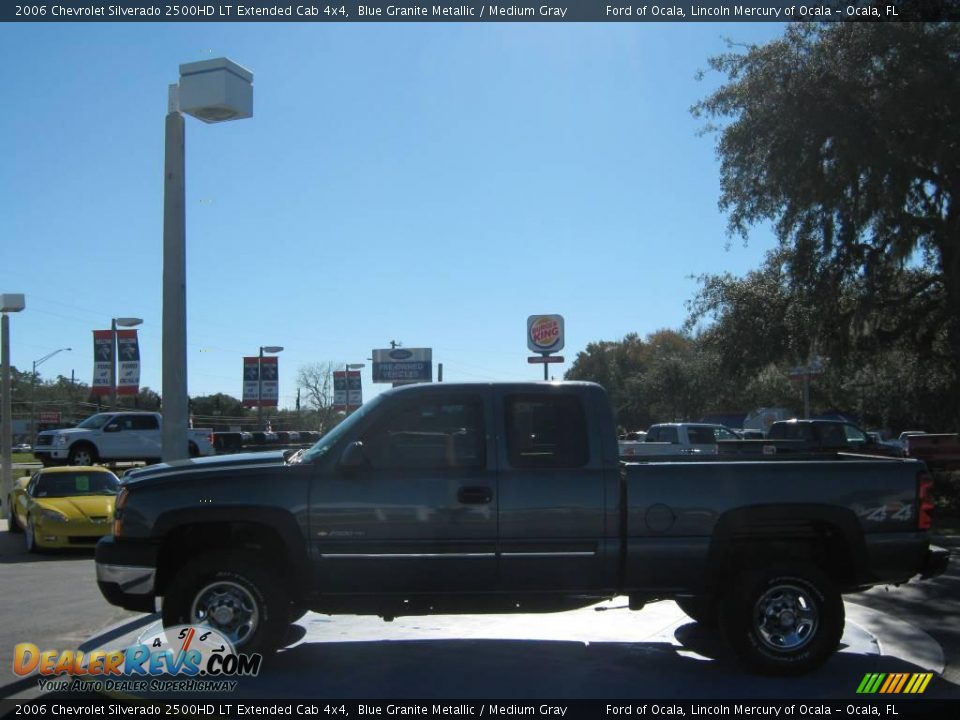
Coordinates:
(553, 527)
(416, 511)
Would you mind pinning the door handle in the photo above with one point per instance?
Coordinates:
(475, 495)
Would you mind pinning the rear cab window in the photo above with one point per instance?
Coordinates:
(546, 431)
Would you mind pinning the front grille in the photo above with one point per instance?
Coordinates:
(42, 440)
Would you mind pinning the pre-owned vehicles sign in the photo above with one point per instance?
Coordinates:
(403, 365)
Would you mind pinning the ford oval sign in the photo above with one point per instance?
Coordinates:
(400, 354)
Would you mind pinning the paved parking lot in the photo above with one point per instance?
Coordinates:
(603, 652)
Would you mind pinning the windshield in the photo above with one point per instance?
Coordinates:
(69, 484)
(322, 445)
(95, 422)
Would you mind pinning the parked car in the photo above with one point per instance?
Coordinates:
(22, 448)
(63, 507)
(112, 437)
(666, 439)
(809, 439)
(940, 450)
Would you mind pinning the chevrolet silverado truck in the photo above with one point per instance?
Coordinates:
(113, 437)
(471, 498)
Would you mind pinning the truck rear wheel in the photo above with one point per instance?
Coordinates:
(782, 621)
(233, 594)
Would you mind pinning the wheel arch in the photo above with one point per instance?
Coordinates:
(828, 536)
(269, 534)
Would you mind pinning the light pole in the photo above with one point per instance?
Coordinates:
(9, 303)
(272, 349)
(114, 324)
(213, 91)
(33, 387)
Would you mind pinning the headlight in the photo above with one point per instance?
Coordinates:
(60, 440)
(52, 515)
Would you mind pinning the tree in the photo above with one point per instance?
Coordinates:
(846, 136)
(316, 380)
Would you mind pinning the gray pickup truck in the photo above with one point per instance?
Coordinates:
(460, 498)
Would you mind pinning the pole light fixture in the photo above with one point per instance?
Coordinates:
(213, 91)
(9, 303)
(33, 387)
(272, 349)
(114, 324)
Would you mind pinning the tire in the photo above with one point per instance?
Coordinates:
(192, 450)
(233, 594)
(12, 525)
(782, 621)
(700, 609)
(30, 537)
(82, 454)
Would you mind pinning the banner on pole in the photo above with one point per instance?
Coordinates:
(102, 362)
(269, 381)
(128, 362)
(251, 381)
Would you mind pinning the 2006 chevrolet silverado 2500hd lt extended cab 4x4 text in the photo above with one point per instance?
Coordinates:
(452, 498)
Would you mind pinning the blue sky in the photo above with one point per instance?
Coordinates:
(433, 184)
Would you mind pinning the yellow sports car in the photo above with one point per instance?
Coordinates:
(61, 507)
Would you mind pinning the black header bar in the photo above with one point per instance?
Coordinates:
(622, 11)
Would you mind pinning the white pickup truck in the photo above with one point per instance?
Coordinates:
(112, 437)
(678, 439)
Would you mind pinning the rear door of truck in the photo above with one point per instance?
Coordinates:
(552, 491)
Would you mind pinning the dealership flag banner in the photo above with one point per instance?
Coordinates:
(251, 381)
(269, 383)
(102, 362)
(347, 390)
(128, 363)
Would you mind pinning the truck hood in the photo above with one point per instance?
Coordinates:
(215, 462)
(64, 431)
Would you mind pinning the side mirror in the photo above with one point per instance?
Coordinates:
(353, 457)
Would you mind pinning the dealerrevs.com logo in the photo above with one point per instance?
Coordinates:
(185, 658)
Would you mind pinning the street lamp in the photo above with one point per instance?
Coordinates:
(273, 349)
(33, 387)
(114, 324)
(9, 303)
(213, 91)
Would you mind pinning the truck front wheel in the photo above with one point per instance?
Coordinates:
(699, 608)
(782, 621)
(82, 454)
(232, 594)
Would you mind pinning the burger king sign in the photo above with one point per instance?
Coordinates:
(545, 333)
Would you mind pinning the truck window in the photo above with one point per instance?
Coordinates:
(854, 435)
(546, 431)
(701, 436)
(144, 422)
(669, 434)
(429, 434)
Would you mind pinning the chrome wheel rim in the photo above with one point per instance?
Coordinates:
(82, 457)
(228, 608)
(786, 618)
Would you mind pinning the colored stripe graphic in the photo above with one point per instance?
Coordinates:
(894, 683)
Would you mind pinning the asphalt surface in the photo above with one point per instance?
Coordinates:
(53, 602)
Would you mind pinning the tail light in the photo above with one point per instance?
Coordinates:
(118, 510)
(924, 503)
